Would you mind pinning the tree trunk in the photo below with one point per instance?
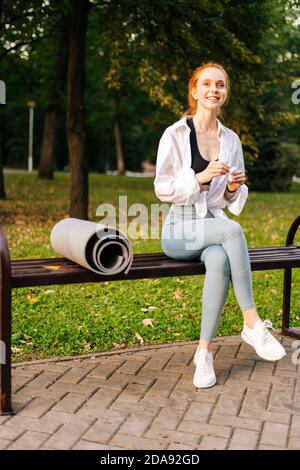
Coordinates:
(54, 107)
(75, 110)
(118, 138)
(48, 146)
(119, 149)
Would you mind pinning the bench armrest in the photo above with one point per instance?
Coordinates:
(292, 231)
(5, 265)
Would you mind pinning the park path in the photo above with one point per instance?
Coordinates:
(143, 398)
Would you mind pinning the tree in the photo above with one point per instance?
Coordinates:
(56, 88)
(22, 25)
(76, 130)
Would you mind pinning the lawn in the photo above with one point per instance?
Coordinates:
(78, 319)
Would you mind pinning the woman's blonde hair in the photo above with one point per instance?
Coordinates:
(192, 103)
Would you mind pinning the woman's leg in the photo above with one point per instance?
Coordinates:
(186, 238)
(215, 290)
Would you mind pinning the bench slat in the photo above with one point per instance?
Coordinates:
(51, 271)
(292, 250)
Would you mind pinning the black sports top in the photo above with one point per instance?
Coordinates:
(198, 162)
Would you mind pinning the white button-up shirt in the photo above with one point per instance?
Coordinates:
(175, 181)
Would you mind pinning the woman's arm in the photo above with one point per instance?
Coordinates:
(229, 195)
(236, 201)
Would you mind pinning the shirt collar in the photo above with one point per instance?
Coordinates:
(182, 123)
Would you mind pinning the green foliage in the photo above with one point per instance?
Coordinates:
(275, 170)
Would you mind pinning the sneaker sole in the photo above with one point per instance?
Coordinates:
(248, 341)
(211, 384)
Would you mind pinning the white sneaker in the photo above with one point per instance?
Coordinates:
(265, 345)
(204, 376)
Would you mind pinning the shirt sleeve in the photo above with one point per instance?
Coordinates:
(237, 202)
(171, 185)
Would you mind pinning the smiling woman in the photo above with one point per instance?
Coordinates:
(209, 83)
(196, 155)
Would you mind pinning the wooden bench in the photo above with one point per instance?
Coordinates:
(51, 271)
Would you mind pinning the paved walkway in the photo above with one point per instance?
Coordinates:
(144, 399)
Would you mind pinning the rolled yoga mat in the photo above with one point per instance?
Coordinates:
(100, 248)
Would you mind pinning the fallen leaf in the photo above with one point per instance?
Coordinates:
(119, 345)
(176, 295)
(32, 298)
(140, 339)
(148, 322)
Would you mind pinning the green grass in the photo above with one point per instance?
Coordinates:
(75, 319)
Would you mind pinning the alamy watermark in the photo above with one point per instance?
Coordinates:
(137, 222)
(2, 92)
(2, 352)
(296, 93)
(295, 357)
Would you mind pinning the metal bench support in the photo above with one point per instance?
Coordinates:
(5, 326)
(287, 284)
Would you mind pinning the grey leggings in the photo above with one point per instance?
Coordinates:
(221, 244)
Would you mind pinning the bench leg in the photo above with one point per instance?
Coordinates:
(287, 283)
(5, 354)
(286, 306)
(5, 326)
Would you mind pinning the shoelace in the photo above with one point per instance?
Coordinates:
(203, 364)
(266, 335)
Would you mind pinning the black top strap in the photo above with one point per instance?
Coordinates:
(198, 162)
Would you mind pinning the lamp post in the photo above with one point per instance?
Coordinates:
(31, 105)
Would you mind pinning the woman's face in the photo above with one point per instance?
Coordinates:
(210, 91)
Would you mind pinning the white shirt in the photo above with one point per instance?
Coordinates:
(175, 181)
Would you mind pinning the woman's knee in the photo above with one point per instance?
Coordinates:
(215, 259)
(232, 229)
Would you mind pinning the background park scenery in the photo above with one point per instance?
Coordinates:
(105, 79)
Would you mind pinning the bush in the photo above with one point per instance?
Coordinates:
(275, 167)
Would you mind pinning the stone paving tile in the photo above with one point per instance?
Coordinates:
(66, 436)
(196, 427)
(4, 443)
(88, 445)
(243, 439)
(274, 434)
(102, 431)
(213, 443)
(168, 418)
(236, 422)
(144, 398)
(37, 407)
(30, 440)
(127, 441)
(256, 413)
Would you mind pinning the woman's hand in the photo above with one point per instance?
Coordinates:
(238, 178)
(213, 169)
